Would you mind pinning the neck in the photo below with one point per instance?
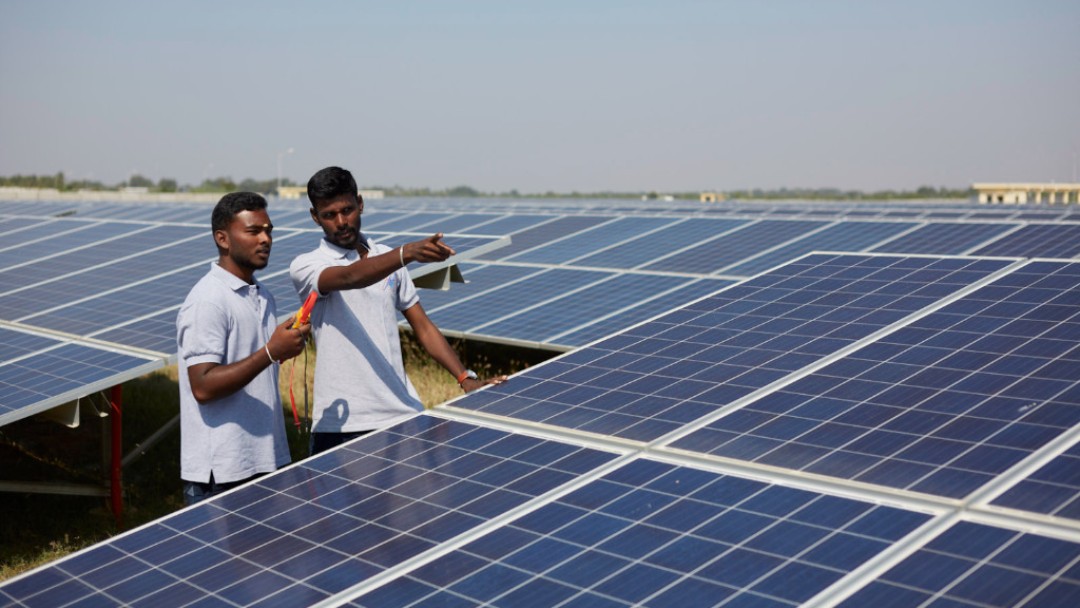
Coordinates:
(246, 275)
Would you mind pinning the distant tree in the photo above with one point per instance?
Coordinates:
(138, 181)
(167, 184)
(462, 191)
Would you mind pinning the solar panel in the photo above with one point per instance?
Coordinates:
(591, 479)
(944, 238)
(975, 564)
(1037, 240)
(639, 310)
(547, 231)
(322, 525)
(577, 308)
(656, 534)
(38, 372)
(712, 255)
(941, 406)
(847, 236)
(588, 241)
(655, 377)
(642, 250)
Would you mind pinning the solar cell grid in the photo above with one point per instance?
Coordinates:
(1054, 489)
(1037, 240)
(549, 230)
(640, 311)
(710, 256)
(320, 527)
(497, 302)
(464, 222)
(136, 241)
(32, 252)
(642, 250)
(578, 308)
(943, 238)
(941, 406)
(847, 236)
(411, 221)
(51, 372)
(653, 534)
(655, 377)
(979, 565)
(589, 241)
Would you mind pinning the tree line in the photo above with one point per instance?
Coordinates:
(165, 184)
(269, 186)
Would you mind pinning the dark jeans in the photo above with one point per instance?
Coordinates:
(195, 491)
(320, 442)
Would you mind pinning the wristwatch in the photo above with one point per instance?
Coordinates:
(467, 374)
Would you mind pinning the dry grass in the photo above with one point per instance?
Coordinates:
(39, 528)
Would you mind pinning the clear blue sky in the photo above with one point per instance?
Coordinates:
(665, 95)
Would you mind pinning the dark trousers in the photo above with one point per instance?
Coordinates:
(195, 491)
(320, 442)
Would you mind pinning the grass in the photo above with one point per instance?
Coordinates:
(39, 528)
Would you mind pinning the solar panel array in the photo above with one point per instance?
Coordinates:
(843, 428)
(88, 300)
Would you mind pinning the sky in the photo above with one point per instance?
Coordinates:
(587, 96)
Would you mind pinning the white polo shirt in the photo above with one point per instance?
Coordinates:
(360, 381)
(240, 435)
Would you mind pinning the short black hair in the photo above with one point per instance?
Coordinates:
(232, 203)
(330, 184)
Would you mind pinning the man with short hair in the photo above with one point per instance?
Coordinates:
(360, 381)
(231, 421)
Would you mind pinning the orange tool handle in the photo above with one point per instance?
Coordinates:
(304, 313)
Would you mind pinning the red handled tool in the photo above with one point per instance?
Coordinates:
(302, 316)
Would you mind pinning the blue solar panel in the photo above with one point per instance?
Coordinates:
(645, 249)
(543, 233)
(579, 308)
(321, 526)
(653, 534)
(980, 565)
(943, 238)
(465, 315)
(652, 379)
(1037, 240)
(38, 369)
(640, 310)
(847, 236)
(942, 406)
(589, 241)
(412, 221)
(441, 512)
(47, 241)
(712, 255)
(1054, 489)
(138, 241)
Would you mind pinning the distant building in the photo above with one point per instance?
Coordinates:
(1019, 193)
(712, 197)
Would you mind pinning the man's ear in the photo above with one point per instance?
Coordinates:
(221, 238)
(314, 215)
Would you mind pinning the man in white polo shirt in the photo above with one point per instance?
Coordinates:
(231, 422)
(360, 381)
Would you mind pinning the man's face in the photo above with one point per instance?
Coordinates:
(248, 239)
(340, 220)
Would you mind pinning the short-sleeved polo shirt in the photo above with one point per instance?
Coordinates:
(223, 320)
(360, 381)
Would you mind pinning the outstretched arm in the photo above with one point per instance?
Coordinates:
(374, 268)
(436, 345)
